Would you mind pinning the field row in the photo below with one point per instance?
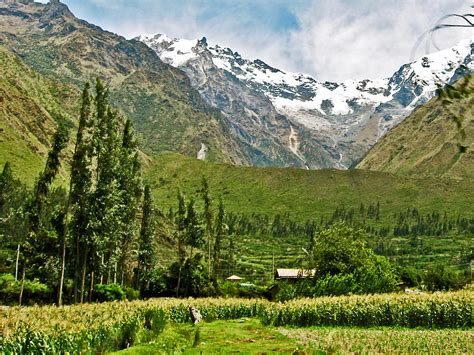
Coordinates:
(117, 325)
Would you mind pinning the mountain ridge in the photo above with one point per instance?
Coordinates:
(167, 112)
(345, 118)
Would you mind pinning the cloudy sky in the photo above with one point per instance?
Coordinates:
(329, 39)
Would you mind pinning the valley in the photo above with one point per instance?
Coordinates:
(151, 187)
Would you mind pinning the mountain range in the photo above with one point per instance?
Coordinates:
(294, 119)
(203, 101)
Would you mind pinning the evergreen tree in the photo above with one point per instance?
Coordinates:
(180, 222)
(40, 195)
(79, 193)
(106, 221)
(194, 229)
(130, 187)
(6, 184)
(46, 178)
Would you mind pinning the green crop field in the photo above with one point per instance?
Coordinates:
(389, 323)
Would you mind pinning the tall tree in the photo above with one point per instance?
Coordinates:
(40, 195)
(194, 230)
(208, 218)
(180, 222)
(80, 185)
(146, 254)
(130, 187)
(220, 234)
(106, 221)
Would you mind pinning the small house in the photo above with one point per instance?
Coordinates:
(292, 275)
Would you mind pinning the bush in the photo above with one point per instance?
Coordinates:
(131, 294)
(33, 291)
(441, 277)
(194, 281)
(157, 283)
(410, 276)
(233, 289)
(109, 292)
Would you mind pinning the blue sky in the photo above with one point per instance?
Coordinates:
(330, 39)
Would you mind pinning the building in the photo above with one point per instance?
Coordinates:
(292, 275)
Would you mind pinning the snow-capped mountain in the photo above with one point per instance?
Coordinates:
(292, 119)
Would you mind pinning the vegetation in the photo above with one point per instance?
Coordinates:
(90, 327)
(168, 114)
(435, 140)
(85, 234)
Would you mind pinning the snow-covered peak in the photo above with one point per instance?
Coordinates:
(440, 65)
(411, 85)
(434, 69)
(174, 51)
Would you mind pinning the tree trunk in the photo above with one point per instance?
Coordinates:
(77, 269)
(22, 284)
(17, 261)
(83, 281)
(91, 288)
(63, 267)
(209, 253)
(179, 279)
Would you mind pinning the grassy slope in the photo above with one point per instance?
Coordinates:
(30, 107)
(425, 144)
(304, 193)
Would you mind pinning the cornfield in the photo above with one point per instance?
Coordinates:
(437, 310)
(118, 325)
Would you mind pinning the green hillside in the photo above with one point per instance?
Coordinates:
(30, 107)
(303, 193)
(426, 143)
(311, 195)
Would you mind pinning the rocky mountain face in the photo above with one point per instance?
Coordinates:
(289, 119)
(168, 113)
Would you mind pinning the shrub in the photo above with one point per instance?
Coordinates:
(108, 292)
(32, 290)
(131, 294)
(441, 277)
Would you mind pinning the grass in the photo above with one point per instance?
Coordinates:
(426, 143)
(304, 194)
(245, 336)
(313, 195)
(249, 336)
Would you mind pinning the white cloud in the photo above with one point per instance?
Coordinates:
(343, 39)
